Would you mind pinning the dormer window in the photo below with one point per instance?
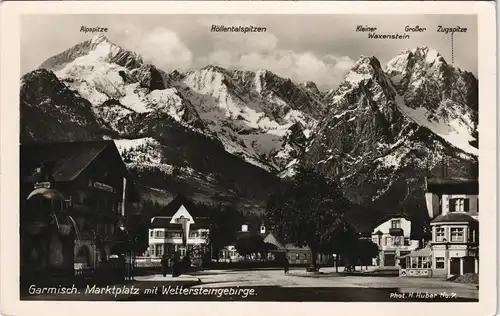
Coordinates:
(396, 223)
(459, 205)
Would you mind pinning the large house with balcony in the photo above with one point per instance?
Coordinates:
(392, 235)
(453, 206)
(179, 228)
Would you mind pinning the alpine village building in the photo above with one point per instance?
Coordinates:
(453, 206)
(75, 199)
(452, 248)
(179, 228)
(280, 249)
(393, 237)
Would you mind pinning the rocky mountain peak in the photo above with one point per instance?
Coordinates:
(382, 127)
(420, 59)
(98, 48)
(99, 38)
(366, 73)
(215, 68)
(311, 86)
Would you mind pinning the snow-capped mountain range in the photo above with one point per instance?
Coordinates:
(235, 132)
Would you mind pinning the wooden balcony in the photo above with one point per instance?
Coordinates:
(396, 232)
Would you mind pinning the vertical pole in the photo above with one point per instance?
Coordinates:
(448, 263)
(452, 50)
(461, 265)
(124, 196)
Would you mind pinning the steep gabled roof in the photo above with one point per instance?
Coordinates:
(452, 185)
(390, 216)
(454, 217)
(175, 205)
(69, 159)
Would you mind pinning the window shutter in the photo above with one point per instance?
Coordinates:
(466, 205)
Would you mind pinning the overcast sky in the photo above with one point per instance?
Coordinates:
(319, 48)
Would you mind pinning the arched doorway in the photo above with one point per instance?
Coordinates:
(83, 260)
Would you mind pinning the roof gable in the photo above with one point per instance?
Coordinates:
(182, 212)
(181, 205)
(390, 217)
(271, 239)
(66, 159)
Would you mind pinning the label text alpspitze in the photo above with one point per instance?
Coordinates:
(96, 29)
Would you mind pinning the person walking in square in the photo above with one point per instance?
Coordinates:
(164, 265)
(286, 265)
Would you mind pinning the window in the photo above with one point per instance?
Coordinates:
(407, 241)
(459, 205)
(151, 233)
(457, 234)
(398, 241)
(420, 262)
(439, 262)
(159, 250)
(440, 235)
(396, 223)
(159, 234)
(204, 233)
(388, 241)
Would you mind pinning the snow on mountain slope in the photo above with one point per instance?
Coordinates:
(250, 113)
(249, 119)
(118, 88)
(437, 95)
(379, 138)
(98, 48)
(217, 130)
(453, 131)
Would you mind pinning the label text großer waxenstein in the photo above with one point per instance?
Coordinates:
(237, 29)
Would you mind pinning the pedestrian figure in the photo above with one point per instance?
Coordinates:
(286, 265)
(164, 264)
(175, 265)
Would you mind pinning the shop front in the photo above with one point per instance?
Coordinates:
(417, 263)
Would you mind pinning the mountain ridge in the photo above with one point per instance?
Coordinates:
(376, 130)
